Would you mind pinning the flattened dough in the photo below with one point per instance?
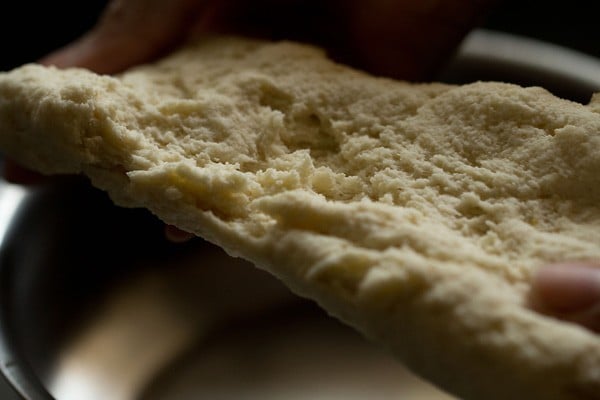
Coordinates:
(415, 213)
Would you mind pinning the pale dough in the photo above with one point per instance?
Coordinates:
(415, 213)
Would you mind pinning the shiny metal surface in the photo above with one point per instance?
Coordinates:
(95, 304)
(498, 56)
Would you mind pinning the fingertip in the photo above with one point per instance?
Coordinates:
(569, 291)
(62, 58)
(567, 286)
(14, 173)
(176, 235)
(87, 52)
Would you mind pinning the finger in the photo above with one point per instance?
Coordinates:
(570, 291)
(176, 235)
(411, 39)
(129, 32)
(14, 173)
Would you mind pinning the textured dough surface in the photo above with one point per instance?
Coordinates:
(415, 213)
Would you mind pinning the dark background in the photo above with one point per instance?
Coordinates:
(30, 29)
(572, 23)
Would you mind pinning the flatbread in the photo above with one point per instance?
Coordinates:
(415, 213)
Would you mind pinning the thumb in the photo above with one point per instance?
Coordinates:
(570, 291)
(129, 32)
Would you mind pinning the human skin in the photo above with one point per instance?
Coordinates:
(400, 39)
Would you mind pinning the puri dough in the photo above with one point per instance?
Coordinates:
(414, 213)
